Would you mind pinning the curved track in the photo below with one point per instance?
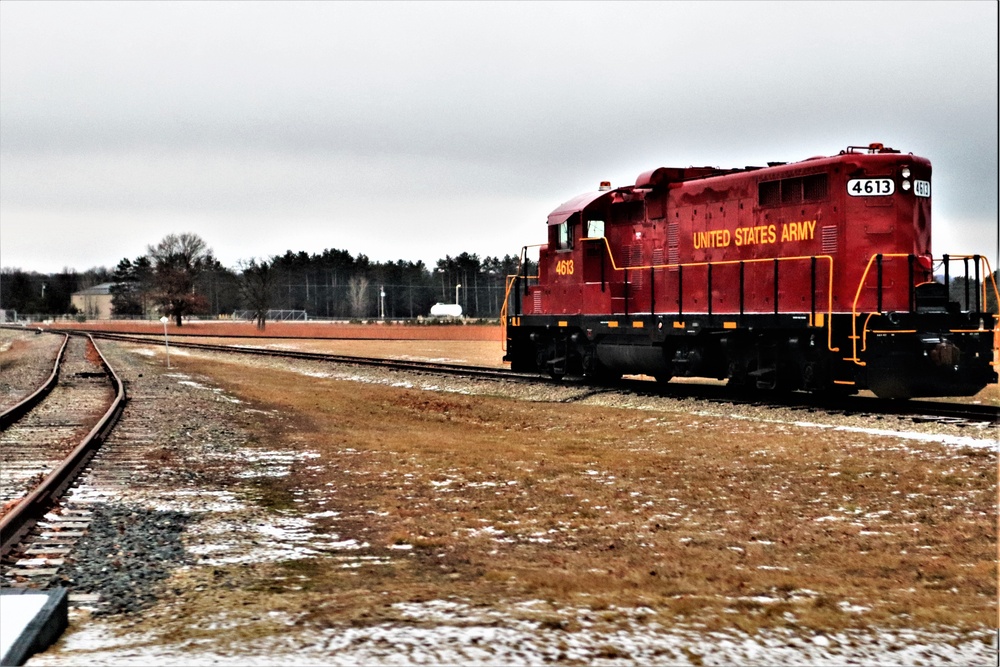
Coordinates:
(23, 407)
(47, 446)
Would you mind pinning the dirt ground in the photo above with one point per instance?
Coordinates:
(574, 515)
(700, 520)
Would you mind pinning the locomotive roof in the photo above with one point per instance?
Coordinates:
(578, 203)
(664, 176)
(647, 181)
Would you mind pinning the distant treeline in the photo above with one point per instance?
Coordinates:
(331, 284)
(180, 277)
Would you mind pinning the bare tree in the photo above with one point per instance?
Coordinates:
(177, 261)
(256, 284)
(357, 293)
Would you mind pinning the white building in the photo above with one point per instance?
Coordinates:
(94, 303)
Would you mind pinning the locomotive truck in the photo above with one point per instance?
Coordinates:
(814, 275)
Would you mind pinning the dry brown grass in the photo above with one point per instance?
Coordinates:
(706, 521)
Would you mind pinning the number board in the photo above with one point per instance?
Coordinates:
(922, 188)
(870, 187)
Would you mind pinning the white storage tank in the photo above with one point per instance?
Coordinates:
(446, 310)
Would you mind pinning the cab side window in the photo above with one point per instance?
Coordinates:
(564, 236)
(595, 229)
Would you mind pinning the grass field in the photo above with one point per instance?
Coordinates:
(701, 521)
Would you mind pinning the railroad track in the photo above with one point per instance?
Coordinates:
(482, 372)
(46, 442)
(919, 411)
(959, 414)
(24, 406)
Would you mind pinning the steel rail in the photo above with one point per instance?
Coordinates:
(917, 409)
(15, 412)
(419, 366)
(927, 410)
(22, 518)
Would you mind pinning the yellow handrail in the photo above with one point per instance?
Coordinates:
(615, 267)
(987, 273)
(503, 311)
(864, 277)
(854, 307)
(730, 262)
(522, 257)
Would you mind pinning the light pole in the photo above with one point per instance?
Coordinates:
(456, 293)
(166, 344)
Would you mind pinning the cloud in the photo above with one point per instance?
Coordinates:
(214, 112)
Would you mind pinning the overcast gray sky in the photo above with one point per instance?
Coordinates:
(415, 130)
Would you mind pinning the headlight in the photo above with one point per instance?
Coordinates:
(905, 173)
(906, 185)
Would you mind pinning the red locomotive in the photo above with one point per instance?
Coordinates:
(813, 275)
